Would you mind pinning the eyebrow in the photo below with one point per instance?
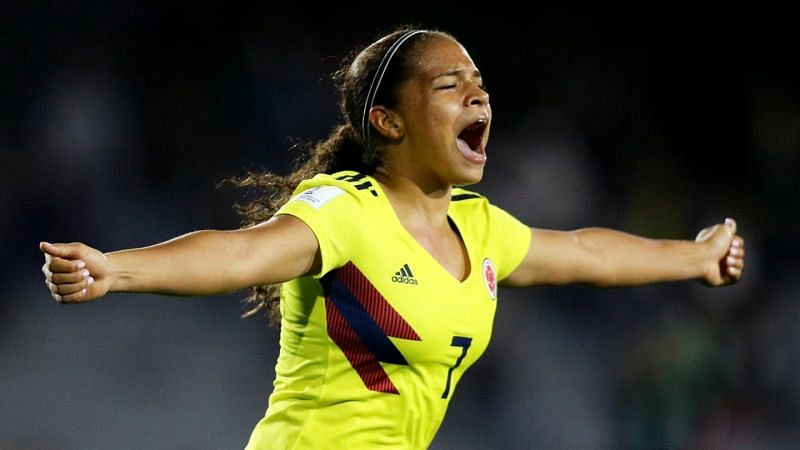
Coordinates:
(455, 72)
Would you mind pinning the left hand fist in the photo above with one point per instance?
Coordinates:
(726, 254)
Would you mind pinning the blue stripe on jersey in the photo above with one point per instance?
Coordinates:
(363, 324)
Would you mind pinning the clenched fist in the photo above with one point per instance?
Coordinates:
(74, 273)
(726, 252)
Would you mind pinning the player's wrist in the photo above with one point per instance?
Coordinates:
(116, 278)
(706, 266)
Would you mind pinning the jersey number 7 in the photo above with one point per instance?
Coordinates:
(464, 343)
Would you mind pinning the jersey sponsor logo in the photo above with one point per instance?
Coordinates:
(318, 196)
(404, 276)
(360, 321)
(490, 277)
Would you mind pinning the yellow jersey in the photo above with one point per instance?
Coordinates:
(372, 346)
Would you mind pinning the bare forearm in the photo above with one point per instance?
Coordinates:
(197, 263)
(603, 257)
(615, 258)
(213, 262)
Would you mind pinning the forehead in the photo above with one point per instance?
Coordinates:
(442, 54)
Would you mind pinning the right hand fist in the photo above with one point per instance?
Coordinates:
(74, 273)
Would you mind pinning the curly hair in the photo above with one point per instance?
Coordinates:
(345, 148)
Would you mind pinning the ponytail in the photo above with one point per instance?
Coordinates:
(342, 150)
(345, 147)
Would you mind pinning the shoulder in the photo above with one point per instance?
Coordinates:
(462, 199)
(469, 208)
(467, 202)
(460, 195)
(356, 184)
(474, 207)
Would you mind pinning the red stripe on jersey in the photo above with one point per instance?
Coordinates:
(363, 361)
(376, 304)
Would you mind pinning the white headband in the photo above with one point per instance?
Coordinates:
(376, 81)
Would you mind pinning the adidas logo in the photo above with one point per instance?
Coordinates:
(404, 275)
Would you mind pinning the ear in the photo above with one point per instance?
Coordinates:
(387, 122)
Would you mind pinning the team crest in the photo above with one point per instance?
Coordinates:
(490, 277)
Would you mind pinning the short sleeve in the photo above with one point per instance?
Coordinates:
(509, 242)
(332, 214)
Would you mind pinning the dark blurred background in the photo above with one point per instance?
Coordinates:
(119, 119)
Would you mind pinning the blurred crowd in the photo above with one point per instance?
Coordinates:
(119, 123)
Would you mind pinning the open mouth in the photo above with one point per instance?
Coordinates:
(470, 140)
(473, 135)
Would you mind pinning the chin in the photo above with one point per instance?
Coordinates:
(467, 179)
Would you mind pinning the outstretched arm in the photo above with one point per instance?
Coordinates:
(604, 258)
(199, 263)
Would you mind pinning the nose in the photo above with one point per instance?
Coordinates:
(477, 97)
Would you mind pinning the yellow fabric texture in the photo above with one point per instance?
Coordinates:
(372, 347)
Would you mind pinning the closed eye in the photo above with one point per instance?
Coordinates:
(449, 86)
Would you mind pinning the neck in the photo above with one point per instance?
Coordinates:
(416, 199)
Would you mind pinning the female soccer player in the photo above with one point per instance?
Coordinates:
(389, 272)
